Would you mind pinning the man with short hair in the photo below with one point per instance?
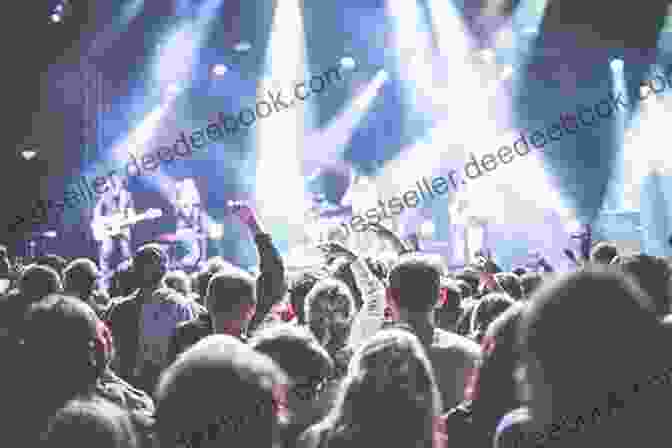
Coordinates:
(231, 304)
(79, 280)
(221, 392)
(413, 293)
(309, 367)
(143, 322)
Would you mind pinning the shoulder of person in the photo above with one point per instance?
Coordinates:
(448, 341)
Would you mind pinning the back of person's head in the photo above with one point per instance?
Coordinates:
(90, 422)
(510, 283)
(334, 294)
(295, 350)
(214, 265)
(493, 388)
(231, 290)
(179, 281)
(486, 311)
(38, 281)
(220, 391)
(55, 262)
(150, 264)
(80, 276)
(415, 283)
(389, 395)
(591, 341)
(652, 274)
(65, 349)
(298, 292)
(530, 282)
(603, 252)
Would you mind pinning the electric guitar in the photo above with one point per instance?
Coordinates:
(114, 225)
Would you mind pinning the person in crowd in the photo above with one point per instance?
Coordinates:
(448, 308)
(144, 322)
(492, 390)
(329, 311)
(231, 303)
(619, 392)
(486, 311)
(271, 284)
(389, 396)
(652, 274)
(308, 366)
(414, 290)
(221, 392)
(38, 281)
(90, 422)
(79, 280)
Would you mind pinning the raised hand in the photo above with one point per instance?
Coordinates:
(246, 214)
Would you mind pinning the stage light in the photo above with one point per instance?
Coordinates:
(59, 8)
(427, 229)
(487, 55)
(28, 154)
(507, 72)
(348, 63)
(55, 18)
(216, 231)
(242, 46)
(219, 69)
(617, 65)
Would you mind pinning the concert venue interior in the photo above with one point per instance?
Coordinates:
(422, 86)
(332, 223)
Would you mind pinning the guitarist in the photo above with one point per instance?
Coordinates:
(115, 201)
(191, 226)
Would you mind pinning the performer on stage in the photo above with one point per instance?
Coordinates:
(191, 228)
(115, 203)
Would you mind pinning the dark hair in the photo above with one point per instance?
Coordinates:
(603, 252)
(390, 395)
(415, 282)
(344, 274)
(90, 422)
(230, 391)
(471, 277)
(298, 292)
(450, 298)
(38, 281)
(296, 351)
(80, 275)
(487, 310)
(179, 281)
(652, 274)
(510, 283)
(601, 322)
(230, 289)
(332, 289)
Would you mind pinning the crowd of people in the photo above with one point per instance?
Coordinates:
(392, 352)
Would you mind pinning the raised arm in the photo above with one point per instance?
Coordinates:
(271, 284)
(388, 235)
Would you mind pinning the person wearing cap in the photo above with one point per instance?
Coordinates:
(143, 322)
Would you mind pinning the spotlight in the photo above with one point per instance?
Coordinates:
(427, 230)
(348, 63)
(28, 154)
(55, 18)
(242, 46)
(617, 64)
(506, 73)
(59, 8)
(487, 55)
(219, 69)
